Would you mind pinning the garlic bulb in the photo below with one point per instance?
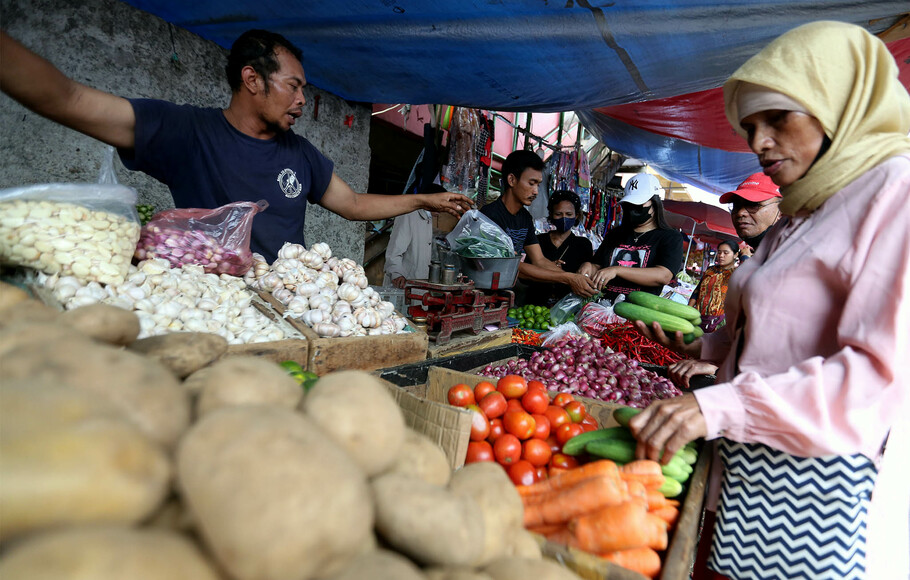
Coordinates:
(385, 309)
(357, 278)
(283, 295)
(349, 292)
(311, 317)
(307, 289)
(289, 250)
(297, 305)
(312, 259)
(322, 249)
(326, 329)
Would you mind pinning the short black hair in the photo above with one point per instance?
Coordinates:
(731, 245)
(256, 48)
(564, 195)
(516, 163)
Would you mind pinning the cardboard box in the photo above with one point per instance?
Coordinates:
(447, 426)
(356, 352)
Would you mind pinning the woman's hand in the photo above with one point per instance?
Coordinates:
(666, 426)
(681, 371)
(603, 276)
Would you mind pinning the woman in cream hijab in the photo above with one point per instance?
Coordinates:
(812, 393)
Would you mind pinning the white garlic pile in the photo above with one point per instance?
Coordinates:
(330, 295)
(67, 239)
(174, 300)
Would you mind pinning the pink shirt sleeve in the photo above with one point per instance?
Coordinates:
(825, 368)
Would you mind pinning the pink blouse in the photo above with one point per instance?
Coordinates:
(824, 306)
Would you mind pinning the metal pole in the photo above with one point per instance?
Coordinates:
(689, 247)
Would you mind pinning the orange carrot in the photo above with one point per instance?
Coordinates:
(668, 514)
(545, 530)
(620, 527)
(644, 470)
(645, 561)
(637, 491)
(560, 506)
(570, 478)
(657, 500)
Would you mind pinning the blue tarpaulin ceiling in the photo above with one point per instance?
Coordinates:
(533, 55)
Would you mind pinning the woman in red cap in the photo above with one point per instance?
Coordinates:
(814, 372)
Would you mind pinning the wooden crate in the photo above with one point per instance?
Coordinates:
(680, 554)
(356, 352)
(463, 342)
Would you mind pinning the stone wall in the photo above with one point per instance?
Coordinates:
(114, 47)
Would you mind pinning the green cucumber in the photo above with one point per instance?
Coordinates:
(576, 445)
(698, 333)
(623, 415)
(689, 455)
(664, 305)
(618, 450)
(674, 471)
(668, 322)
(671, 487)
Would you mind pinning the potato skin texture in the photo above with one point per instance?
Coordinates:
(379, 565)
(244, 380)
(182, 352)
(426, 522)
(105, 323)
(91, 553)
(356, 409)
(422, 458)
(272, 496)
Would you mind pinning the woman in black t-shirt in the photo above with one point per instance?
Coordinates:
(561, 246)
(643, 253)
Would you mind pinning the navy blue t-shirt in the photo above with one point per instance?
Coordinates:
(208, 163)
(519, 226)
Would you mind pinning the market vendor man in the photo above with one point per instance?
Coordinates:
(755, 210)
(212, 157)
(521, 177)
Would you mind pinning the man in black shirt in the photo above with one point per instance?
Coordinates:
(521, 176)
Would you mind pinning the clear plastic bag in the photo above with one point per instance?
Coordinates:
(594, 318)
(216, 239)
(565, 308)
(553, 336)
(477, 236)
(84, 230)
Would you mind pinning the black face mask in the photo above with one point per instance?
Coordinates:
(635, 215)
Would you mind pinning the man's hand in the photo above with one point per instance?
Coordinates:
(399, 281)
(453, 203)
(746, 251)
(681, 371)
(666, 426)
(581, 285)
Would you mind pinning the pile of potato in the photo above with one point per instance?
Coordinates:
(160, 458)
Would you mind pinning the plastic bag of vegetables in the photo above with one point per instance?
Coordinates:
(477, 236)
(216, 239)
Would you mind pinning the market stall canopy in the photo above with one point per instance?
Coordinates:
(533, 55)
(715, 218)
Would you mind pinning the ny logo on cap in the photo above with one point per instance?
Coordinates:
(633, 185)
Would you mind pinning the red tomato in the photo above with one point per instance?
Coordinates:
(541, 427)
(537, 386)
(536, 452)
(512, 386)
(576, 411)
(587, 427)
(479, 451)
(535, 402)
(555, 447)
(493, 405)
(519, 423)
(522, 472)
(482, 388)
(514, 405)
(589, 420)
(563, 461)
(562, 399)
(461, 395)
(507, 449)
(480, 425)
(557, 416)
(496, 430)
(542, 473)
(567, 431)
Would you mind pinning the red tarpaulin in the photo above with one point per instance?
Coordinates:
(715, 218)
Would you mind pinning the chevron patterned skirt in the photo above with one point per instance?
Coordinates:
(788, 517)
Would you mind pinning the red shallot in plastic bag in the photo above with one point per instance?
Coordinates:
(216, 239)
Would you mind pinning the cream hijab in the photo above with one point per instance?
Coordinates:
(847, 79)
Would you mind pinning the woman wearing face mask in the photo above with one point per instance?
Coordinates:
(643, 253)
(709, 295)
(810, 408)
(560, 246)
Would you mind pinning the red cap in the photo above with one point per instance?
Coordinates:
(757, 187)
